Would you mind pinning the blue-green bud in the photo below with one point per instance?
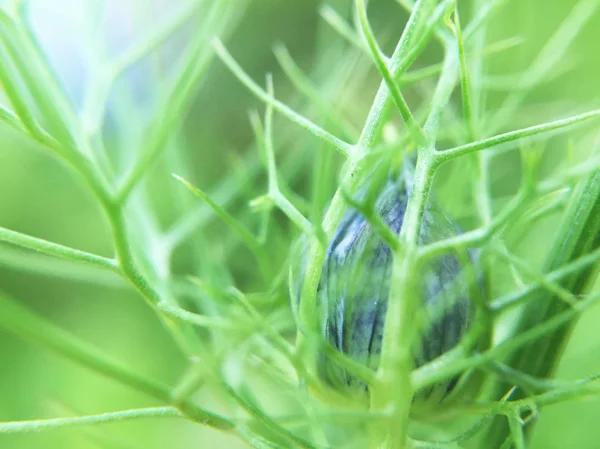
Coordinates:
(355, 284)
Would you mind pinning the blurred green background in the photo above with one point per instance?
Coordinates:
(41, 197)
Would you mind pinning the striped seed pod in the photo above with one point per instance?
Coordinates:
(355, 284)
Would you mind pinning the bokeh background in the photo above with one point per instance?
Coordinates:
(41, 197)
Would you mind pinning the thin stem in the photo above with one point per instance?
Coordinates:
(405, 53)
(57, 423)
(13, 89)
(512, 136)
(383, 68)
(11, 119)
(196, 61)
(247, 237)
(478, 236)
(202, 321)
(514, 299)
(548, 61)
(96, 98)
(441, 95)
(34, 263)
(130, 271)
(54, 249)
(435, 372)
(275, 194)
(516, 430)
(268, 140)
(552, 287)
(395, 387)
(464, 79)
(367, 210)
(337, 22)
(343, 147)
(38, 79)
(394, 390)
(23, 323)
(304, 85)
(157, 37)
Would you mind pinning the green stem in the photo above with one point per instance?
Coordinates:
(395, 362)
(578, 236)
(181, 333)
(393, 390)
(388, 78)
(54, 249)
(436, 371)
(25, 324)
(343, 147)
(196, 61)
(514, 299)
(57, 423)
(512, 136)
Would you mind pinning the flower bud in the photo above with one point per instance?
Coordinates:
(355, 284)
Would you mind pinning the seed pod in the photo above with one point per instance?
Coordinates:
(355, 284)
